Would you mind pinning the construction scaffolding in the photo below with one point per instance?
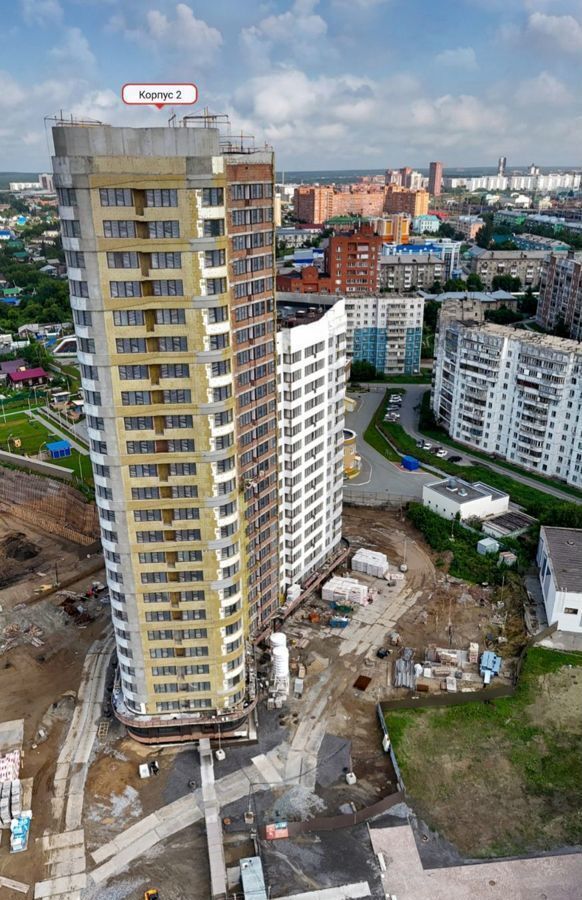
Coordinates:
(50, 505)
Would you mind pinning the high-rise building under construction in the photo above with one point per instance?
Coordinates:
(168, 236)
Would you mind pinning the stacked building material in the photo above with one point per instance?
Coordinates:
(10, 766)
(370, 562)
(19, 830)
(345, 589)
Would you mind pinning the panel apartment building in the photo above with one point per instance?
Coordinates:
(311, 373)
(169, 246)
(560, 300)
(512, 393)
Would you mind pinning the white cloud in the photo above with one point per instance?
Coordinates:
(461, 58)
(543, 89)
(74, 50)
(360, 4)
(184, 33)
(41, 12)
(300, 27)
(564, 31)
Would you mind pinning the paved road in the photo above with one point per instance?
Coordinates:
(409, 421)
(379, 475)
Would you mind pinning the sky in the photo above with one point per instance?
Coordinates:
(330, 84)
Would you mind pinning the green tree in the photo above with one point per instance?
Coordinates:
(484, 236)
(474, 282)
(362, 370)
(505, 283)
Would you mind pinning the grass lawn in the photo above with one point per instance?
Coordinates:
(33, 435)
(504, 777)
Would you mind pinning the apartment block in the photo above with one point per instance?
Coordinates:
(352, 261)
(386, 331)
(404, 272)
(523, 264)
(311, 371)
(511, 393)
(315, 204)
(169, 246)
(560, 300)
(435, 179)
(406, 200)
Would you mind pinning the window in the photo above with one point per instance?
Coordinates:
(75, 259)
(86, 345)
(96, 422)
(569, 610)
(220, 368)
(82, 317)
(182, 421)
(135, 398)
(143, 470)
(172, 344)
(253, 191)
(174, 370)
(166, 260)
(89, 372)
(159, 557)
(104, 492)
(182, 445)
(163, 197)
(149, 537)
(165, 229)
(71, 228)
(213, 227)
(182, 468)
(170, 316)
(128, 317)
(177, 396)
(215, 285)
(131, 345)
(115, 197)
(219, 341)
(187, 534)
(98, 446)
(214, 258)
(184, 490)
(102, 471)
(133, 372)
(125, 288)
(141, 446)
(147, 515)
(92, 397)
(187, 513)
(66, 196)
(212, 197)
(191, 556)
(129, 260)
(114, 228)
(168, 288)
(218, 314)
(145, 493)
(138, 423)
(221, 393)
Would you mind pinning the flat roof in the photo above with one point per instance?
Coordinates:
(564, 548)
(464, 491)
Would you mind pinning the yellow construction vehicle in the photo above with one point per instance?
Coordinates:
(152, 894)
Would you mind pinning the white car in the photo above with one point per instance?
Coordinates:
(442, 453)
(395, 398)
(426, 446)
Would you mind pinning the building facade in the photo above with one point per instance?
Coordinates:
(435, 179)
(510, 393)
(410, 271)
(560, 300)
(169, 246)
(447, 249)
(311, 376)
(352, 261)
(523, 264)
(386, 331)
(406, 200)
(424, 224)
(315, 204)
(558, 559)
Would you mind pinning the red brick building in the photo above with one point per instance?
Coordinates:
(308, 281)
(352, 261)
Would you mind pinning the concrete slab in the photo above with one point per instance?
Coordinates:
(57, 886)
(555, 877)
(11, 735)
(12, 885)
(66, 839)
(123, 858)
(342, 892)
(69, 867)
(266, 770)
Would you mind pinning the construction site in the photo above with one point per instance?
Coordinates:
(311, 798)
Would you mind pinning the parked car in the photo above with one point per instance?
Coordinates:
(426, 445)
(455, 459)
(441, 453)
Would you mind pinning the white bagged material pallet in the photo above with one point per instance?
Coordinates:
(370, 562)
(10, 766)
(345, 590)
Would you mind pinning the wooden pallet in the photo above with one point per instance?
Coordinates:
(103, 729)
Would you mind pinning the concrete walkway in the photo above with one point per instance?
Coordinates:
(65, 849)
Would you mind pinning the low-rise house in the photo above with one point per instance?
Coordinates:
(28, 377)
(453, 497)
(559, 558)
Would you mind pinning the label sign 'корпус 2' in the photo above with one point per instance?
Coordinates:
(159, 94)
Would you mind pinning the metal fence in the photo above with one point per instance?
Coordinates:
(377, 499)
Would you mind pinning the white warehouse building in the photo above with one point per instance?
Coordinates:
(311, 375)
(559, 559)
(515, 394)
(452, 496)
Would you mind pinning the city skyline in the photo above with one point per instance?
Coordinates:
(487, 78)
